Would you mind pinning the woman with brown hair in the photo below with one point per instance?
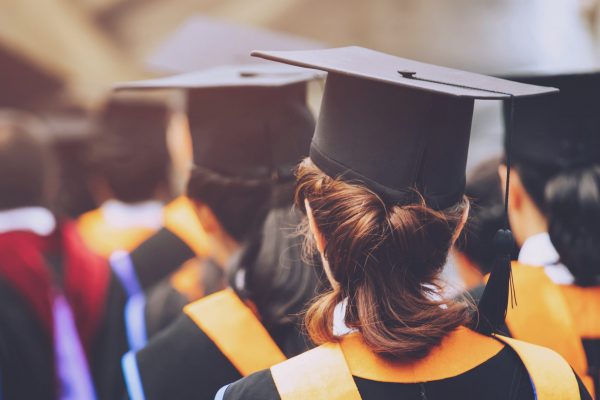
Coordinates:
(383, 191)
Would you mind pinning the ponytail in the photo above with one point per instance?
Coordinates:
(386, 258)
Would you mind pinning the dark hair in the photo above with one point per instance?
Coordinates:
(240, 205)
(570, 200)
(275, 276)
(26, 164)
(486, 215)
(386, 258)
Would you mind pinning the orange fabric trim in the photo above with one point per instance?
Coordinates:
(181, 219)
(460, 351)
(551, 375)
(187, 280)
(236, 331)
(326, 372)
(584, 303)
(318, 374)
(104, 239)
(542, 316)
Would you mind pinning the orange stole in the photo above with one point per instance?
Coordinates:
(181, 219)
(104, 239)
(542, 316)
(584, 303)
(236, 331)
(327, 371)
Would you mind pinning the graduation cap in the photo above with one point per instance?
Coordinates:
(245, 121)
(558, 131)
(192, 47)
(396, 125)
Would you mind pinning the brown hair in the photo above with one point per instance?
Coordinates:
(386, 258)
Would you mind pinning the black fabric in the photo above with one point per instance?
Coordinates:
(250, 132)
(390, 146)
(110, 344)
(562, 130)
(159, 256)
(181, 362)
(26, 354)
(502, 377)
(592, 351)
(26, 350)
(163, 305)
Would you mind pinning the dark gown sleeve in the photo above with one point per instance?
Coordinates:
(258, 386)
(26, 357)
(180, 362)
(110, 344)
(158, 257)
(163, 305)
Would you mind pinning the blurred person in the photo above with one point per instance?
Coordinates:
(383, 191)
(555, 213)
(62, 331)
(173, 266)
(129, 167)
(250, 125)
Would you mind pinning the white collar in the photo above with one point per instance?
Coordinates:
(339, 320)
(538, 251)
(32, 219)
(147, 214)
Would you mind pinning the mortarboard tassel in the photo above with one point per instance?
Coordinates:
(493, 305)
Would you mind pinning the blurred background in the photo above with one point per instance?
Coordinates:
(59, 58)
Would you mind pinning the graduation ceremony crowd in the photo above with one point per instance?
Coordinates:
(215, 235)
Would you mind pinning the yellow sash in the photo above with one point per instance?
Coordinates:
(543, 317)
(181, 219)
(104, 239)
(236, 331)
(584, 303)
(327, 371)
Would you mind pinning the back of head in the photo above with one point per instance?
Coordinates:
(486, 215)
(273, 272)
(25, 161)
(387, 258)
(570, 200)
(131, 153)
(556, 152)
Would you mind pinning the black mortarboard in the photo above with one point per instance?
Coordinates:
(396, 125)
(558, 131)
(134, 117)
(192, 46)
(245, 121)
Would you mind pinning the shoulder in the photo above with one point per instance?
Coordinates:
(258, 386)
(180, 362)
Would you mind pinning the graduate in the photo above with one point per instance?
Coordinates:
(383, 191)
(174, 265)
(250, 126)
(554, 211)
(129, 167)
(61, 331)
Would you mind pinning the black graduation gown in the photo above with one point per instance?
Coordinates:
(182, 362)
(27, 354)
(502, 377)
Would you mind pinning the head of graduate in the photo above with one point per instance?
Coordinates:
(250, 125)
(28, 172)
(383, 190)
(128, 158)
(555, 189)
